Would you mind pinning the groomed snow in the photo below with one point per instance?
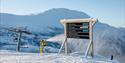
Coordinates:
(16, 57)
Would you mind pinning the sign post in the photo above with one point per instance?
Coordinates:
(79, 29)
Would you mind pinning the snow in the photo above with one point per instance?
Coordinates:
(79, 46)
(18, 57)
(108, 40)
(50, 49)
(57, 38)
(74, 45)
(77, 56)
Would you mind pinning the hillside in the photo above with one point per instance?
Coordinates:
(108, 39)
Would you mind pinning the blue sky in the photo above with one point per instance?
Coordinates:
(107, 11)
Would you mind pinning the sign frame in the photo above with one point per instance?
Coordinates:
(91, 22)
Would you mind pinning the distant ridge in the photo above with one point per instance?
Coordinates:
(48, 18)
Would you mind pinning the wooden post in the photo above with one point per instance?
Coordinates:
(66, 44)
(19, 41)
(62, 46)
(90, 40)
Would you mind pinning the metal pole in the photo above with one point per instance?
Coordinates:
(19, 41)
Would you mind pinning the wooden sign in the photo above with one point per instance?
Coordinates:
(80, 29)
(77, 30)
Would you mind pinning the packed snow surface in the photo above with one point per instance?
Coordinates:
(18, 57)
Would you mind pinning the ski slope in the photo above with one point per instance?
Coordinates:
(22, 57)
(18, 57)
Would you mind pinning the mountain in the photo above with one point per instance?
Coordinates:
(42, 26)
(41, 21)
(108, 39)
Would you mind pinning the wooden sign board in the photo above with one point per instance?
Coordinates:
(77, 30)
(80, 29)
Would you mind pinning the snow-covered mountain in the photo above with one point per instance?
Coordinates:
(41, 21)
(108, 39)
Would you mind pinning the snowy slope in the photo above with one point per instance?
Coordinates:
(108, 40)
(15, 57)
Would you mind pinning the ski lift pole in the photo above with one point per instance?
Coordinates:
(19, 41)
